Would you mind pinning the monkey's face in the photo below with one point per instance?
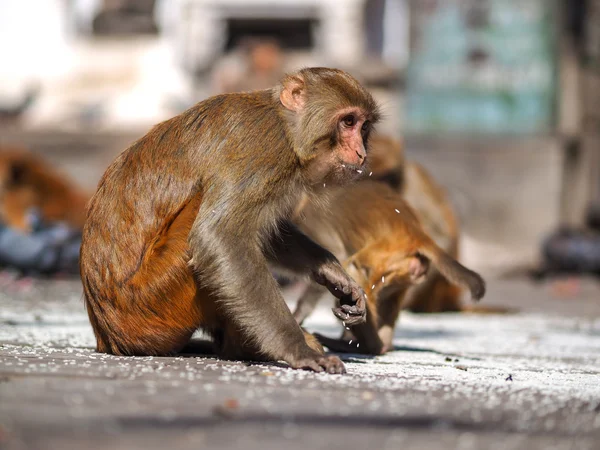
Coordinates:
(332, 119)
(340, 157)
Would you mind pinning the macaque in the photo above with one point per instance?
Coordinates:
(431, 204)
(186, 221)
(27, 182)
(262, 66)
(383, 246)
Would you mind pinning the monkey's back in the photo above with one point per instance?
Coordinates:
(371, 211)
(139, 289)
(133, 253)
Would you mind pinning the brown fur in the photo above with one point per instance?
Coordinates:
(184, 222)
(27, 181)
(432, 206)
(379, 237)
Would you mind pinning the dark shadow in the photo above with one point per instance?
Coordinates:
(198, 347)
(226, 417)
(404, 348)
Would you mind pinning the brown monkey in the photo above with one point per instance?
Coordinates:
(377, 234)
(185, 221)
(27, 181)
(432, 206)
(262, 61)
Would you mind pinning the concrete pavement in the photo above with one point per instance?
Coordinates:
(527, 380)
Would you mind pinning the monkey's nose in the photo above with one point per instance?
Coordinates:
(361, 156)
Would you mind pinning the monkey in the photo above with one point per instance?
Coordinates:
(27, 182)
(439, 220)
(379, 238)
(186, 222)
(262, 65)
(387, 164)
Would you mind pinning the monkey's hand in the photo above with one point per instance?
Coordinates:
(351, 307)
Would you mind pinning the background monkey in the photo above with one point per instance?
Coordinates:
(378, 236)
(28, 182)
(437, 216)
(185, 221)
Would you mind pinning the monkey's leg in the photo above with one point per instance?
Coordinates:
(294, 251)
(250, 298)
(366, 336)
(308, 301)
(365, 341)
(158, 309)
(388, 309)
(362, 338)
(230, 344)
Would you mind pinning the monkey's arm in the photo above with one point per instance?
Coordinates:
(293, 250)
(236, 268)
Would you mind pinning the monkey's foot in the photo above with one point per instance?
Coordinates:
(329, 364)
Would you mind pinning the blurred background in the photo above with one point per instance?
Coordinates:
(498, 99)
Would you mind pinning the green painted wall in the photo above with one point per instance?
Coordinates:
(481, 66)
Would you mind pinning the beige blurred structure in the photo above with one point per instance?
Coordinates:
(92, 68)
(125, 64)
(514, 188)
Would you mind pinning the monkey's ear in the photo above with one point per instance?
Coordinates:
(293, 94)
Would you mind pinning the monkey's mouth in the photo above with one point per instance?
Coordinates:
(352, 169)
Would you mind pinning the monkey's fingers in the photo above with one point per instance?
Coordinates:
(332, 364)
(352, 308)
(348, 319)
(329, 364)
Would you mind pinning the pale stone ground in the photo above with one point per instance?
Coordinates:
(446, 386)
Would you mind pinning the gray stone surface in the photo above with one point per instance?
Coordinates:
(506, 191)
(446, 385)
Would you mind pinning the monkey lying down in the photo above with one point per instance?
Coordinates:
(185, 221)
(378, 236)
(28, 182)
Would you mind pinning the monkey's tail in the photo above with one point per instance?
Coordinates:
(454, 271)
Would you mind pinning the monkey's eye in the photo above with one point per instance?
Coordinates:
(366, 125)
(349, 120)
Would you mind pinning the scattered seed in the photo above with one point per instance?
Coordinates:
(371, 173)
(397, 211)
(448, 359)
